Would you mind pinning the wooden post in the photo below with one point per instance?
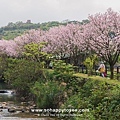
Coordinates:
(106, 70)
(86, 70)
(82, 67)
(118, 73)
(117, 69)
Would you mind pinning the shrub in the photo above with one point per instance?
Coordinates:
(21, 74)
(49, 94)
(90, 63)
(101, 98)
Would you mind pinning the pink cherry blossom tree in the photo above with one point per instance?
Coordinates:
(65, 41)
(32, 36)
(15, 47)
(62, 41)
(8, 48)
(102, 35)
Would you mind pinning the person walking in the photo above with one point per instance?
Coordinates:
(102, 69)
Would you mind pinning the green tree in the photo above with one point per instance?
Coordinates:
(90, 62)
(23, 73)
(3, 65)
(48, 94)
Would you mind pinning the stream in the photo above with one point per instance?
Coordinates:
(13, 109)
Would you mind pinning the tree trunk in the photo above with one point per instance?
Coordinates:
(111, 71)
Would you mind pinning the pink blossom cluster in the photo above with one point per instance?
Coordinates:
(15, 47)
(101, 35)
(64, 40)
(60, 40)
(8, 47)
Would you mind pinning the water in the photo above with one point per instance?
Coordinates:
(9, 100)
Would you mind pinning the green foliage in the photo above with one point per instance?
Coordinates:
(119, 59)
(62, 71)
(13, 30)
(8, 35)
(102, 100)
(3, 66)
(48, 25)
(90, 62)
(33, 51)
(49, 94)
(22, 74)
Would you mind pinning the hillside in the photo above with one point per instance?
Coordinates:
(13, 30)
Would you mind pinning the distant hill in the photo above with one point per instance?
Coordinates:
(13, 30)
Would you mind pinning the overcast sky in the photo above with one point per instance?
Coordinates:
(39, 11)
